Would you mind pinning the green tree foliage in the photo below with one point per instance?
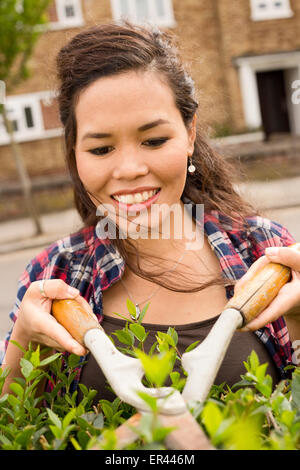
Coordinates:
(21, 23)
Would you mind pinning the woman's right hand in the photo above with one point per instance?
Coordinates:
(35, 322)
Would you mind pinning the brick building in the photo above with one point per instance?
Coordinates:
(244, 56)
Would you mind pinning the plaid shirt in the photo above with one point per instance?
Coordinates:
(93, 265)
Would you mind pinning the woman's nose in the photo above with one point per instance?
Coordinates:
(130, 166)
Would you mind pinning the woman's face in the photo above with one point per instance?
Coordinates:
(132, 142)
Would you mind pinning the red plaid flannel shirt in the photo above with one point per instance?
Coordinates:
(92, 265)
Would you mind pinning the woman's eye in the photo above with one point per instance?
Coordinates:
(100, 150)
(155, 142)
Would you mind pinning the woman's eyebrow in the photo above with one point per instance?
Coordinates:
(145, 127)
(95, 135)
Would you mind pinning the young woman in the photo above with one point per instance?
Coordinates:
(128, 107)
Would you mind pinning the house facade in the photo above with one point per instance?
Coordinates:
(244, 56)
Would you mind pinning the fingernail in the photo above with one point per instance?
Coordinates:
(72, 291)
(271, 251)
(78, 351)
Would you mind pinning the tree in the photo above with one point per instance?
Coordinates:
(21, 23)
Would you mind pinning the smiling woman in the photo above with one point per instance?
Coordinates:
(140, 158)
(133, 144)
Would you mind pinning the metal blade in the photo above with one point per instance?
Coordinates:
(203, 362)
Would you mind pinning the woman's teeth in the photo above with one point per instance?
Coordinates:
(135, 198)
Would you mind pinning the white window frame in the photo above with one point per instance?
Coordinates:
(247, 69)
(167, 20)
(65, 22)
(15, 105)
(270, 12)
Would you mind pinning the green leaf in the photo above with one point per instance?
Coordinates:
(13, 401)
(98, 422)
(18, 345)
(83, 389)
(35, 357)
(160, 434)
(138, 331)
(50, 359)
(157, 367)
(261, 371)
(192, 346)
(34, 374)
(287, 418)
(161, 337)
(73, 361)
(75, 444)
(153, 348)
(3, 398)
(54, 418)
(253, 361)
(151, 401)
(5, 441)
(68, 418)
(107, 410)
(17, 389)
(173, 333)
(131, 308)
(26, 367)
(295, 389)
(125, 336)
(265, 387)
(212, 418)
(56, 431)
(143, 313)
(24, 437)
(178, 382)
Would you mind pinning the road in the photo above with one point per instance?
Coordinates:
(11, 267)
(13, 264)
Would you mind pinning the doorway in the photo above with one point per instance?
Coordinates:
(273, 102)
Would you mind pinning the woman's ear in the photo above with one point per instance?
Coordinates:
(192, 131)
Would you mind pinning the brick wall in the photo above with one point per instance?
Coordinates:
(41, 157)
(210, 35)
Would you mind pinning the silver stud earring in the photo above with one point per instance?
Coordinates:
(191, 167)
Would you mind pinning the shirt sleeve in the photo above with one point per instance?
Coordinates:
(274, 335)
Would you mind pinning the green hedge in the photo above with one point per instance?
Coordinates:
(250, 415)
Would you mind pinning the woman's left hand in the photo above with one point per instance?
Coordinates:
(287, 301)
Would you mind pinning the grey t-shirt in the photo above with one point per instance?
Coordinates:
(230, 371)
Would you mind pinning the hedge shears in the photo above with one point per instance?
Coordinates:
(124, 373)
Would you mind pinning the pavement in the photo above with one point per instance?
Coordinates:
(19, 234)
(278, 199)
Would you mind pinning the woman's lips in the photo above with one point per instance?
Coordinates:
(137, 207)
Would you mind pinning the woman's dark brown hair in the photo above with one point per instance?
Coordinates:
(111, 49)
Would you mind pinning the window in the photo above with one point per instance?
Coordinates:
(33, 116)
(65, 14)
(159, 12)
(270, 9)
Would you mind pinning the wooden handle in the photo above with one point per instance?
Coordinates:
(261, 289)
(74, 318)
